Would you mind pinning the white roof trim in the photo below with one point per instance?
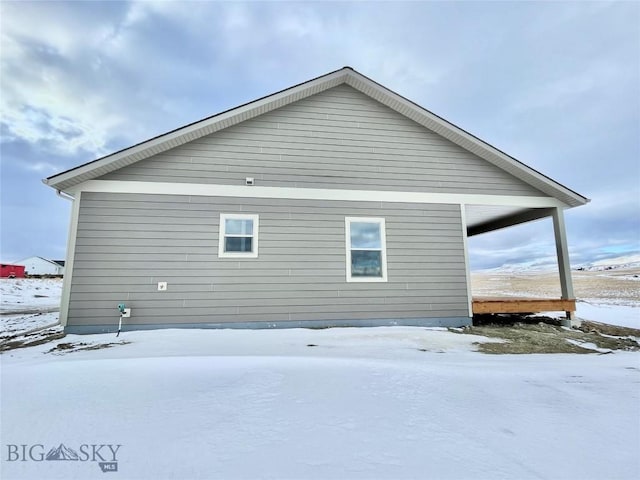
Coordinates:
(297, 193)
(346, 75)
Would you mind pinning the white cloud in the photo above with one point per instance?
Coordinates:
(44, 168)
(571, 88)
(83, 78)
(300, 23)
(80, 79)
(44, 101)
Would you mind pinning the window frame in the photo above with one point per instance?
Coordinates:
(383, 248)
(222, 235)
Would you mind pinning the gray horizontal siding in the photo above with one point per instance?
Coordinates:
(125, 245)
(336, 139)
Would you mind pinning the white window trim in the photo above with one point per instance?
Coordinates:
(254, 243)
(383, 248)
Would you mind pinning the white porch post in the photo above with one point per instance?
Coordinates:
(562, 251)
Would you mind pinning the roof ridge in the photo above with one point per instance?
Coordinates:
(345, 75)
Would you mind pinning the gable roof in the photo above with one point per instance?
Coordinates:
(53, 262)
(346, 75)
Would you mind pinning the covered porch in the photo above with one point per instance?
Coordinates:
(480, 219)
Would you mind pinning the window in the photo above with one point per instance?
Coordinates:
(366, 249)
(238, 236)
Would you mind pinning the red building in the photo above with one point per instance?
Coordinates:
(11, 271)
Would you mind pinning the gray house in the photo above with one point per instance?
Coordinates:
(333, 202)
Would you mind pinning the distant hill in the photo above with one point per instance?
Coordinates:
(626, 261)
(549, 264)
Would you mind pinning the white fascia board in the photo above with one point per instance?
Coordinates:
(211, 190)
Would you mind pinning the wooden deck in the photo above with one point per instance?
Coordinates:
(521, 305)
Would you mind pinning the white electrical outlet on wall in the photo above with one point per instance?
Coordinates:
(162, 286)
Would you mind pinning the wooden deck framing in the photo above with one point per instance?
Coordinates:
(522, 305)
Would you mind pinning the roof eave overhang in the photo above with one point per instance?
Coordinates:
(466, 140)
(65, 180)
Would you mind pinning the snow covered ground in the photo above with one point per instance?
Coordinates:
(14, 324)
(623, 262)
(32, 294)
(360, 403)
(621, 315)
(27, 304)
(387, 403)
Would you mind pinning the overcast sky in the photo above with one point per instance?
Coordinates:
(556, 85)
